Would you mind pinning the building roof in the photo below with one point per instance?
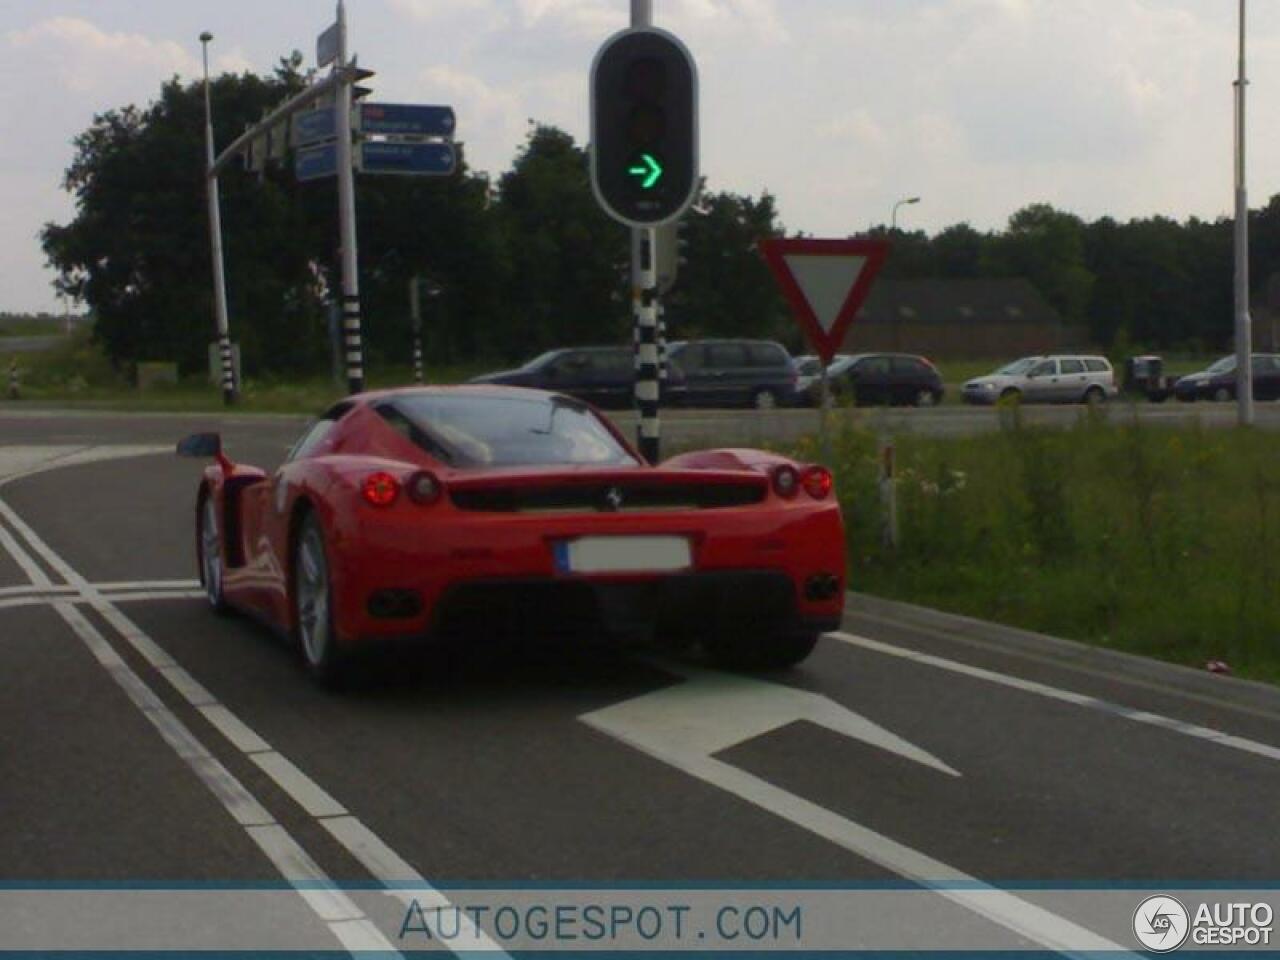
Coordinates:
(1000, 300)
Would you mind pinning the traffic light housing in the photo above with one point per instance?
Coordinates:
(644, 127)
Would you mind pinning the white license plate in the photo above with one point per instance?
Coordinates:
(623, 555)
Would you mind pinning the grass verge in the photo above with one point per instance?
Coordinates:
(1158, 541)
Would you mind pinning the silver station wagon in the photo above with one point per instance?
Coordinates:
(1057, 379)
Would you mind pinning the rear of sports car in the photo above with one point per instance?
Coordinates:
(621, 553)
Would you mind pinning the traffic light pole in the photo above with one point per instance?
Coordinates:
(351, 339)
(215, 241)
(644, 295)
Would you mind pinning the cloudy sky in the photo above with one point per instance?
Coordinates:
(838, 107)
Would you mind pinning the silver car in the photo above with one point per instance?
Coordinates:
(1058, 379)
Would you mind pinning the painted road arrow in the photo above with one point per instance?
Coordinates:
(649, 168)
(687, 724)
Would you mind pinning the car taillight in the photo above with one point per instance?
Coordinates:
(786, 481)
(424, 489)
(380, 489)
(818, 482)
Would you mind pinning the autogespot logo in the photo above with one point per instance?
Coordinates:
(1161, 924)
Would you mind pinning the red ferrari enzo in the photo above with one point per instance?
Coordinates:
(484, 511)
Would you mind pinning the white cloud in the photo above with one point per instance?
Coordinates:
(88, 60)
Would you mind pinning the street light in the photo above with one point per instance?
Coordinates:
(1243, 321)
(215, 238)
(908, 201)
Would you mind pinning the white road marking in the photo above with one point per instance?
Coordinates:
(683, 725)
(353, 930)
(1065, 696)
(19, 462)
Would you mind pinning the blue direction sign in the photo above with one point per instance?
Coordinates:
(315, 163)
(314, 126)
(405, 120)
(413, 159)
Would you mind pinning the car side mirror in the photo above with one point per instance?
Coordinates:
(200, 445)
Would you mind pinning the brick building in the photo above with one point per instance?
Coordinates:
(959, 319)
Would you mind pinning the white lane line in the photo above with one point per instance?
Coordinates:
(368, 848)
(148, 595)
(164, 585)
(31, 588)
(345, 921)
(34, 573)
(1065, 696)
(44, 598)
(704, 722)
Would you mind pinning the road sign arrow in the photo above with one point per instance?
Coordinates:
(649, 170)
(712, 712)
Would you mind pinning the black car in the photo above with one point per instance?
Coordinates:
(604, 376)
(1218, 382)
(878, 379)
(731, 373)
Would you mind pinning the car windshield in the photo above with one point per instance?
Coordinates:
(1225, 365)
(1015, 368)
(493, 431)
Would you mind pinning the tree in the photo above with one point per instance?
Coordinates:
(1047, 247)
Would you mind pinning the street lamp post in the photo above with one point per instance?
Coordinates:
(215, 239)
(1244, 322)
(901, 203)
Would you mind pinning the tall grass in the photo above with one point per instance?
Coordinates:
(1154, 540)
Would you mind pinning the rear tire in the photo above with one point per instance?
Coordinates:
(212, 569)
(752, 652)
(1095, 396)
(313, 605)
(925, 398)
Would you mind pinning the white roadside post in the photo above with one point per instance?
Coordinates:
(1244, 322)
(351, 335)
(889, 494)
(215, 239)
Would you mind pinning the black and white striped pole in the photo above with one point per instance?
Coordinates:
(15, 389)
(645, 298)
(353, 346)
(228, 375)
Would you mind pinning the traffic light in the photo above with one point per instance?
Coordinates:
(644, 127)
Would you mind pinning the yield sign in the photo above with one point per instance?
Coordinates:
(826, 282)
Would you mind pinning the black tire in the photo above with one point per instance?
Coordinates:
(924, 398)
(1224, 395)
(311, 592)
(1095, 396)
(752, 652)
(209, 550)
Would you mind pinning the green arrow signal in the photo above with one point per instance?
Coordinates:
(650, 169)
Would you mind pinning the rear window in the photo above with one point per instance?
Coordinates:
(909, 365)
(1072, 366)
(1096, 365)
(484, 431)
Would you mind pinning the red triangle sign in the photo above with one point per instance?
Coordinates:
(826, 283)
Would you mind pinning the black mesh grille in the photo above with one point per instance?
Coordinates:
(608, 498)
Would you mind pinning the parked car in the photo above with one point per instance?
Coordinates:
(870, 379)
(1057, 379)
(1144, 376)
(809, 372)
(1218, 382)
(604, 376)
(731, 373)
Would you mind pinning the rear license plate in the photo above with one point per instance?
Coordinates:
(623, 555)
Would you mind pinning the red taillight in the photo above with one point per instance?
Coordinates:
(380, 489)
(818, 482)
(424, 489)
(786, 481)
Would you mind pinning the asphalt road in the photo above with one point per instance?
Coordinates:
(144, 739)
